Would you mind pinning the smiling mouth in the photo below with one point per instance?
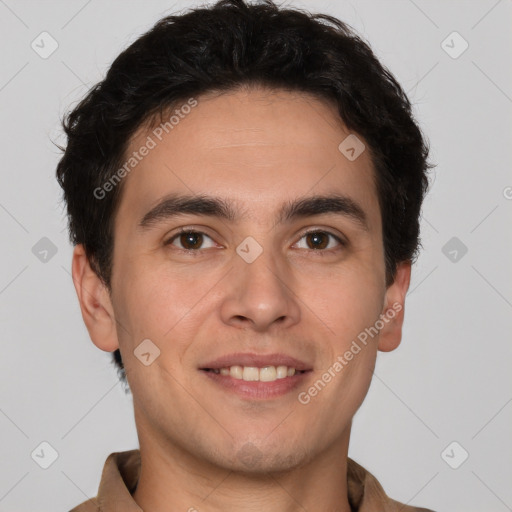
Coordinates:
(256, 374)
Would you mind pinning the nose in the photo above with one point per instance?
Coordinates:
(260, 295)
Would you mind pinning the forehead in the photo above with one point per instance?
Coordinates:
(259, 146)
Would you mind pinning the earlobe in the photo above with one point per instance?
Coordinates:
(394, 309)
(95, 303)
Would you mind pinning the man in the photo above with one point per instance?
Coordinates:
(243, 192)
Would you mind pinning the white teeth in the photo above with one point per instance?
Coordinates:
(253, 374)
(268, 374)
(236, 372)
(282, 372)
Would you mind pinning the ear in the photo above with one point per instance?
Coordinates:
(394, 309)
(95, 303)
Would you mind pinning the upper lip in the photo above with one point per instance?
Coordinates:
(258, 360)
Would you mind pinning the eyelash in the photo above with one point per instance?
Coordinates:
(196, 252)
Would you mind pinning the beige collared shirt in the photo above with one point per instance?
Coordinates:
(121, 474)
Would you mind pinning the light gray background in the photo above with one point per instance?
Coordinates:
(450, 380)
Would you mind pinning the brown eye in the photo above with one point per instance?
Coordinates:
(189, 240)
(321, 240)
(317, 240)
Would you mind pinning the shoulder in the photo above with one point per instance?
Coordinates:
(366, 494)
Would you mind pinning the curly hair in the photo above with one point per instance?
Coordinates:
(220, 48)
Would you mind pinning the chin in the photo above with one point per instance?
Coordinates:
(255, 459)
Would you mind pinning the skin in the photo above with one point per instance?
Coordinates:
(201, 446)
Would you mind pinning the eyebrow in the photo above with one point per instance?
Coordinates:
(175, 205)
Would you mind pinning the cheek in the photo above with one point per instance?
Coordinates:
(348, 303)
(166, 307)
(151, 298)
(160, 308)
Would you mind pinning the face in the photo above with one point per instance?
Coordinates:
(278, 270)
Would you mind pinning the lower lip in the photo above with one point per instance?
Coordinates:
(257, 390)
